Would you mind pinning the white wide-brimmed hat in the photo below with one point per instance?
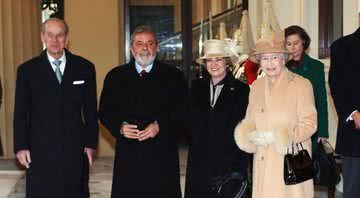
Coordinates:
(214, 49)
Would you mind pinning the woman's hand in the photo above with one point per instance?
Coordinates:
(322, 140)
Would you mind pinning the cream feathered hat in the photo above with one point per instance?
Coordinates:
(217, 49)
(274, 43)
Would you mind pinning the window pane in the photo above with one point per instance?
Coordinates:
(164, 16)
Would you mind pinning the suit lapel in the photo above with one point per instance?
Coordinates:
(68, 69)
(205, 93)
(226, 91)
(202, 95)
(48, 70)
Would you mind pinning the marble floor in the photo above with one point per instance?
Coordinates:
(12, 182)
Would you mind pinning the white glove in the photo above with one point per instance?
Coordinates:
(261, 138)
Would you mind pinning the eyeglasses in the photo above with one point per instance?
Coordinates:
(271, 58)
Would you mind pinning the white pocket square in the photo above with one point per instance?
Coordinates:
(78, 82)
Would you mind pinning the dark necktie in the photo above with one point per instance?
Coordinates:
(143, 73)
(57, 70)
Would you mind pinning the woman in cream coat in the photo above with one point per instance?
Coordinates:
(281, 111)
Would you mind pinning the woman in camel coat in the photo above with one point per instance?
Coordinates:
(281, 111)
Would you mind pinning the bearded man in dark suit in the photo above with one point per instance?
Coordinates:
(344, 84)
(55, 117)
(142, 105)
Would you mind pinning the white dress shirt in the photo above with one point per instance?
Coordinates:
(62, 59)
(147, 68)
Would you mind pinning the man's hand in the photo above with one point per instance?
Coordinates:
(129, 131)
(356, 117)
(23, 156)
(89, 152)
(149, 132)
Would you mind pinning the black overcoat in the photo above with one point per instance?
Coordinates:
(55, 122)
(344, 85)
(213, 151)
(149, 168)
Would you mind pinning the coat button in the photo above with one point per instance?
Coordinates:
(262, 157)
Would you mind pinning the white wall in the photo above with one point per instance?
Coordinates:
(94, 34)
(351, 12)
(304, 13)
(295, 12)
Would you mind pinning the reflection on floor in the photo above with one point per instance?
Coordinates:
(100, 179)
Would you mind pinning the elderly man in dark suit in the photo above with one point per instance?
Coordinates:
(344, 84)
(55, 117)
(141, 104)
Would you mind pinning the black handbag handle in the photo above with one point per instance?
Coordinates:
(332, 149)
(297, 146)
(322, 147)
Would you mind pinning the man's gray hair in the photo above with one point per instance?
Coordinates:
(66, 27)
(142, 29)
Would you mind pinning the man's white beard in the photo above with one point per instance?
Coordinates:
(144, 62)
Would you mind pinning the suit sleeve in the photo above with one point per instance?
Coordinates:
(173, 119)
(340, 81)
(21, 110)
(306, 124)
(245, 100)
(321, 102)
(108, 108)
(90, 110)
(182, 100)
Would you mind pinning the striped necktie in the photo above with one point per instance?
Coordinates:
(57, 70)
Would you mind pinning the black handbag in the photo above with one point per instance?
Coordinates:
(298, 167)
(232, 185)
(325, 170)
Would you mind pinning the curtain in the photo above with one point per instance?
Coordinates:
(20, 22)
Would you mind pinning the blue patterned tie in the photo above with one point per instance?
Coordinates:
(57, 70)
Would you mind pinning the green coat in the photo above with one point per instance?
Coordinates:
(314, 71)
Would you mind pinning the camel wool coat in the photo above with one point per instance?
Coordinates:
(287, 110)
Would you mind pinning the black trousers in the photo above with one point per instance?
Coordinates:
(351, 173)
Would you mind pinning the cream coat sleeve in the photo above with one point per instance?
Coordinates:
(246, 126)
(307, 116)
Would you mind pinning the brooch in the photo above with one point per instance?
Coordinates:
(291, 78)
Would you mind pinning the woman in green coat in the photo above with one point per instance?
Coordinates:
(297, 42)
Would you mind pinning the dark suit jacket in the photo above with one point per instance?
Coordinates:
(55, 122)
(149, 168)
(213, 152)
(345, 90)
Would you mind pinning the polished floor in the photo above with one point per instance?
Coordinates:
(12, 180)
